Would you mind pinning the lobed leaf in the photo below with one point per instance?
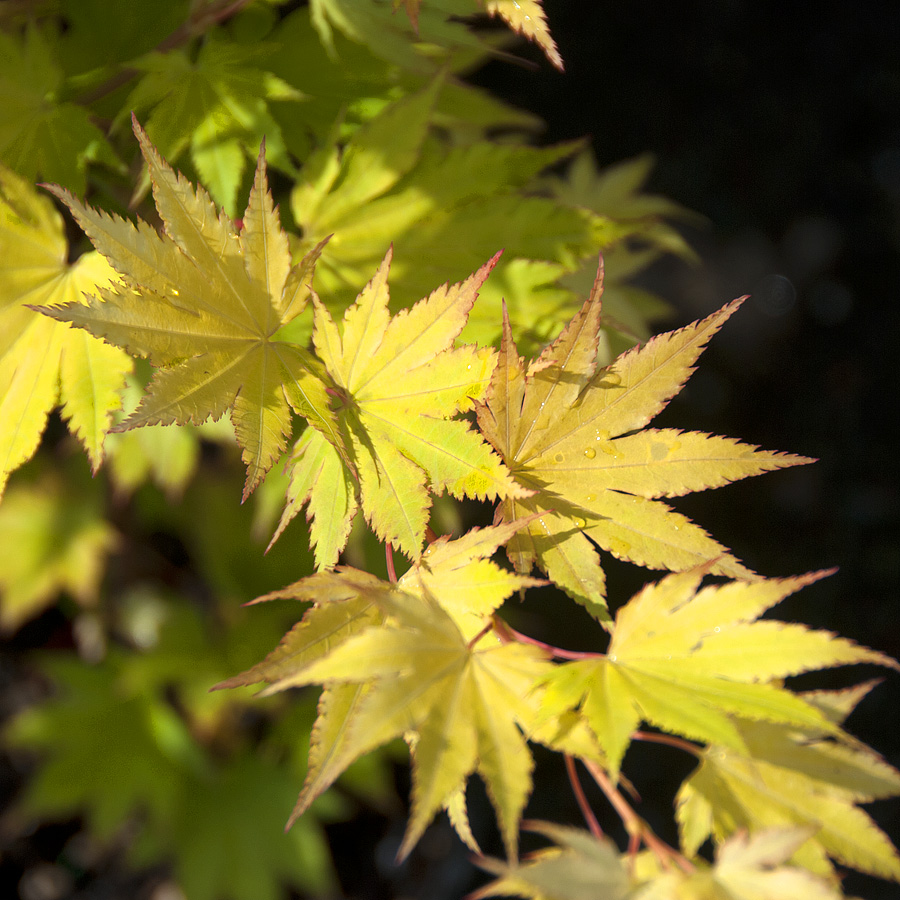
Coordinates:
(43, 363)
(203, 302)
(570, 433)
(676, 660)
(399, 381)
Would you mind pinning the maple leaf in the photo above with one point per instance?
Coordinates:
(204, 302)
(398, 382)
(463, 702)
(461, 578)
(391, 37)
(573, 434)
(38, 134)
(216, 102)
(795, 777)
(42, 362)
(526, 17)
(578, 867)
(393, 182)
(52, 539)
(396, 660)
(688, 661)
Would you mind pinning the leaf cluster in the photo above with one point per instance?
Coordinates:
(376, 410)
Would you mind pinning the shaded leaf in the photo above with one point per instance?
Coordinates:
(578, 867)
(793, 777)
(53, 539)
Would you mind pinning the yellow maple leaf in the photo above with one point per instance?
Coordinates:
(42, 362)
(203, 302)
(576, 436)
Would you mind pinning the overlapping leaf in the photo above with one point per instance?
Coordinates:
(460, 576)
(204, 302)
(398, 383)
(217, 104)
(687, 661)
(394, 182)
(43, 363)
(395, 662)
(795, 777)
(525, 17)
(577, 867)
(39, 135)
(574, 435)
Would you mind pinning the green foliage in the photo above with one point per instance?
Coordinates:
(374, 408)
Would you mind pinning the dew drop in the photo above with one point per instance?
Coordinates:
(590, 453)
(590, 498)
(612, 657)
(558, 458)
(717, 629)
(579, 522)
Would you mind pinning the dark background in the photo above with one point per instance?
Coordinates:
(780, 123)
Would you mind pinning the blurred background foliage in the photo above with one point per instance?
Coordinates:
(121, 588)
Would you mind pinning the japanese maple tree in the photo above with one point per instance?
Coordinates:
(372, 414)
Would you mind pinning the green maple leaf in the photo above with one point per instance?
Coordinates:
(393, 181)
(52, 539)
(398, 382)
(43, 363)
(190, 802)
(217, 104)
(143, 768)
(525, 17)
(203, 302)
(795, 777)
(688, 661)
(439, 26)
(576, 436)
(39, 133)
(577, 867)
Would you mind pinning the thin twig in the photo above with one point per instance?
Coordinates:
(558, 652)
(583, 804)
(669, 740)
(636, 827)
(389, 556)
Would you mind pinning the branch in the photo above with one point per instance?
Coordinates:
(205, 19)
(636, 827)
